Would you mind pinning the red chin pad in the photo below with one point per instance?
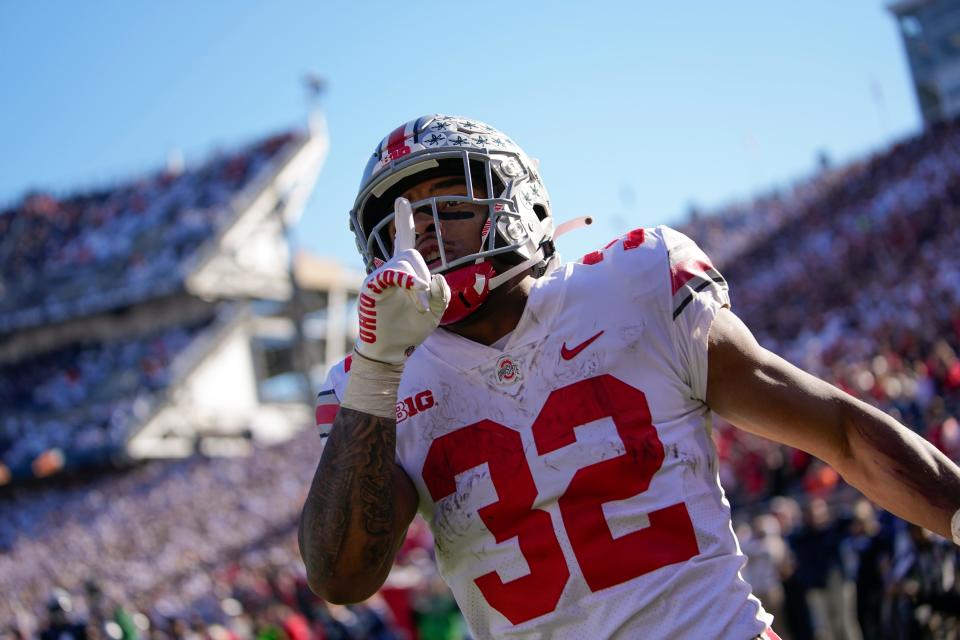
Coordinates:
(469, 288)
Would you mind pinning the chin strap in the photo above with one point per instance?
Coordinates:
(499, 279)
(539, 255)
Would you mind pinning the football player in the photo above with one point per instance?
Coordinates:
(554, 431)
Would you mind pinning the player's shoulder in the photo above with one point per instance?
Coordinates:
(637, 259)
(337, 375)
(643, 248)
(332, 390)
(657, 263)
(329, 394)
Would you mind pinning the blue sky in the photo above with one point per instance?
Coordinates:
(636, 109)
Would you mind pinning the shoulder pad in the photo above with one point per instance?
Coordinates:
(328, 398)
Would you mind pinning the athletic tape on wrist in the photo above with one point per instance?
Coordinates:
(955, 527)
(372, 387)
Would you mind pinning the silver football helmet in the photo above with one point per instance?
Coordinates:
(520, 227)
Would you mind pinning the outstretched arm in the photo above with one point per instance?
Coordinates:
(358, 509)
(760, 392)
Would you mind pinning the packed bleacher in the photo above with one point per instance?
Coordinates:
(101, 251)
(83, 400)
(863, 289)
(853, 274)
(861, 286)
(90, 252)
(196, 544)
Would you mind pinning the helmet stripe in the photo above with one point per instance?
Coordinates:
(396, 136)
(395, 139)
(417, 128)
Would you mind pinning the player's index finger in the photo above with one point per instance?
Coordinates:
(403, 220)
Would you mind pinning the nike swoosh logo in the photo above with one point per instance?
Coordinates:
(570, 354)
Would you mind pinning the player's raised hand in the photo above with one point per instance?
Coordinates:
(405, 236)
(400, 303)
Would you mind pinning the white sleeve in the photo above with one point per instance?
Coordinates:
(328, 398)
(698, 293)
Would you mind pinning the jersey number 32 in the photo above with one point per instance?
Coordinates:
(604, 560)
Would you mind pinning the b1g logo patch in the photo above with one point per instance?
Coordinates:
(413, 405)
(508, 370)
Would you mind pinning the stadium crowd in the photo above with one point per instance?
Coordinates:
(83, 399)
(853, 275)
(860, 286)
(117, 246)
(862, 289)
(87, 253)
(194, 548)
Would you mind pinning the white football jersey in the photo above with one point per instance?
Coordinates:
(569, 478)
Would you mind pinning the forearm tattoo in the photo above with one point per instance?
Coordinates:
(352, 488)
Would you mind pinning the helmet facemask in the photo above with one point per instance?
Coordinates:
(518, 230)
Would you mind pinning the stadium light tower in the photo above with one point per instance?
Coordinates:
(289, 211)
(930, 30)
(315, 87)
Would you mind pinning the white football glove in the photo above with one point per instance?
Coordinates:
(400, 303)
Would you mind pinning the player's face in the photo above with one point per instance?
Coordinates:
(461, 223)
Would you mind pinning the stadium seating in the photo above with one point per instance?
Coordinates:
(86, 253)
(83, 400)
(174, 540)
(107, 250)
(863, 289)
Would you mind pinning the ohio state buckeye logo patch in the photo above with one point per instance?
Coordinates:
(507, 370)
